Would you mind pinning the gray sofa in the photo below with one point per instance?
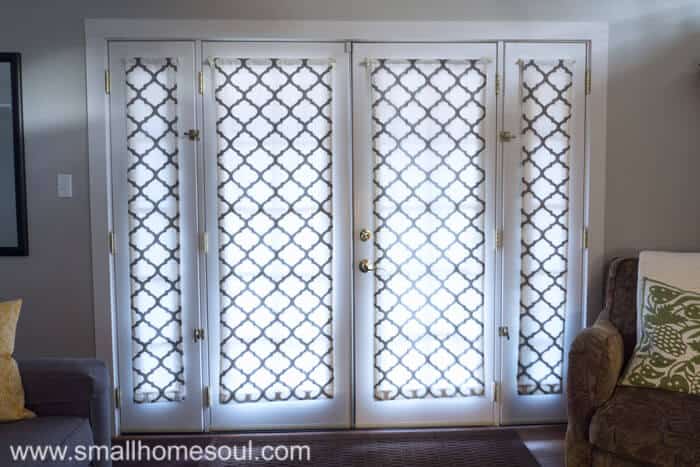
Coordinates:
(622, 426)
(72, 403)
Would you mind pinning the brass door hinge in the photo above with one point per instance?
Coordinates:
(203, 242)
(506, 136)
(201, 82)
(499, 239)
(108, 82)
(117, 398)
(496, 391)
(111, 244)
(588, 81)
(192, 135)
(206, 396)
(198, 334)
(585, 238)
(498, 84)
(503, 331)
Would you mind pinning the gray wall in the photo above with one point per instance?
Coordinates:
(653, 129)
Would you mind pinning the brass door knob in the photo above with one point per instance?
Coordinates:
(366, 266)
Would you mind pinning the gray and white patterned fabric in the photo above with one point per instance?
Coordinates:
(274, 131)
(546, 113)
(429, 212)
(154, 231)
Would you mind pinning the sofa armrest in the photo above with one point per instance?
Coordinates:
(595, 362)
(69, 387)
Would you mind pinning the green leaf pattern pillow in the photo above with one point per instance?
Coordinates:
(668, 354)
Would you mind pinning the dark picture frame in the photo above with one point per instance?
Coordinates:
(22, 246)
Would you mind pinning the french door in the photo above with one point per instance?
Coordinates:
(152, 107)
(543, 218)
(424, 174)
(278, 263)
(321, 235)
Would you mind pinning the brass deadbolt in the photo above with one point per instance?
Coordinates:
(365, 235)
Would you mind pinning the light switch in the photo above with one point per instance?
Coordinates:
(65, 185)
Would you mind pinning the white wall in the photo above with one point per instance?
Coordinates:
(653, 186)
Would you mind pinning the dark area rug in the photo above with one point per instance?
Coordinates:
(366, 448)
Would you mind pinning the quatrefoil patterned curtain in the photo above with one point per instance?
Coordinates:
(274, 131)
(429, 212)
(546, 97)
(154, 230)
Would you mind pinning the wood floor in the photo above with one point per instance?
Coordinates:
(546, 443)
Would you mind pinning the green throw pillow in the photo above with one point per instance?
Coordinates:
(668, 354)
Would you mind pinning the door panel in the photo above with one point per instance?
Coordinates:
(153, 167)
(276, 139)
(425, 122)
(544, 170)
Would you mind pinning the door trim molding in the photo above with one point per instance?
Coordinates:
(99, 31)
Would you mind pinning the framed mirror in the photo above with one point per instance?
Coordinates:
(13, 205)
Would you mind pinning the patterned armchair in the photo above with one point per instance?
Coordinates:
(612, 425)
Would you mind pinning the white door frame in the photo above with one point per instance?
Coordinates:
(99, 31)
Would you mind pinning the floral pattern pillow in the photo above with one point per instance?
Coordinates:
(668, 354)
